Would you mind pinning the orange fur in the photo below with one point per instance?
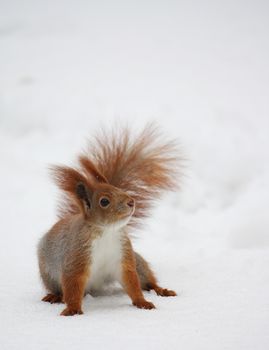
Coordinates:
(130, 174)
(53, 298)
(144, 166)
(151, 281)
(67, 179)
(73, 292)
(131, 281)
(91, 169)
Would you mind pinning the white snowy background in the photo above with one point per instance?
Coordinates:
(200, 69)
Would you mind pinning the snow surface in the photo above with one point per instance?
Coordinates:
(200, 68)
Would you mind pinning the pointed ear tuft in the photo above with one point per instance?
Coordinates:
(75, 184)
(91, 169)
(66, 178)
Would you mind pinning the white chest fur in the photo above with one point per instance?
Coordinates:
(106, 256)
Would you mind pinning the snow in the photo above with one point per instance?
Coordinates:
(200, 69)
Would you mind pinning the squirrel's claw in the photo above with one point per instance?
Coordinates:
(163, 292)
(71, 312)
(52, 298)
(144, 304)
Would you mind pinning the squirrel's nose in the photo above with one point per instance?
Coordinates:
(130, 203)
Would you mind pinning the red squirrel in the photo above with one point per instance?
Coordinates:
(110, 192)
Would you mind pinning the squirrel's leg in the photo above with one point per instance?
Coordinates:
(130, 279)
(73, 291)
(147, 278)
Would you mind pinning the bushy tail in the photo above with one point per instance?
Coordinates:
(144, 165)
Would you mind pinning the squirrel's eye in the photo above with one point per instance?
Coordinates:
(104, 202)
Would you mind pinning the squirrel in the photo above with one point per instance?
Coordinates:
(107, 195)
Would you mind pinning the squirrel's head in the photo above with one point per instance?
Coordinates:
(105, 204)
(100, 202)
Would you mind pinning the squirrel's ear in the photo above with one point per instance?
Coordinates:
(75, 184)
(83, 193)
(91, 169)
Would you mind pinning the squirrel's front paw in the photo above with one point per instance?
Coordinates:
(144, 304)
(71, 311)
